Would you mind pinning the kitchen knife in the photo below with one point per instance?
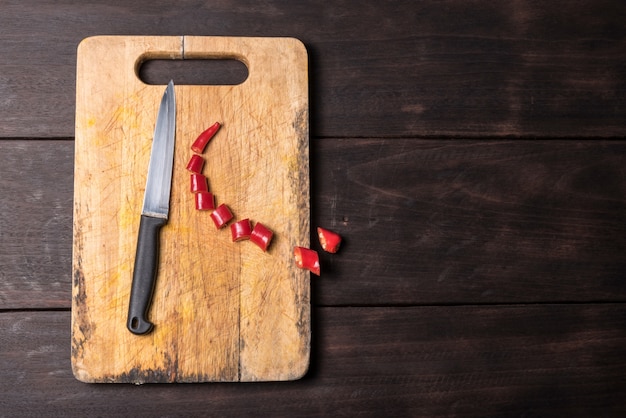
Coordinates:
(156, 205)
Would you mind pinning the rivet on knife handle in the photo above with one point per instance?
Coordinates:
(156, 205)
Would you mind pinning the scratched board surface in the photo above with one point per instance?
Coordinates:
(223, 311)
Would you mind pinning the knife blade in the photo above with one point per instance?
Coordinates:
(154, 215)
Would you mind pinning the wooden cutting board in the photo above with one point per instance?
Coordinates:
(222, 311)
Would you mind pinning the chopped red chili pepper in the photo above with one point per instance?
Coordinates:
(221, 216)
(203, 139)
(199, 183)
(195, 164)
(241, 230)
(205, 201)
(329, 240)
(261, 236)
(307, 259)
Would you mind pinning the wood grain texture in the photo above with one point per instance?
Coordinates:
(466, 221)
(453, 68)
(541, 360)
(222, 311)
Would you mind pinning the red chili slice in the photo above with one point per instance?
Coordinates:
(329, 240)
(195, 164)
(205, 201)
(261, 236)
(307, 259)
(221, 216)
(199, 183)
(241, 230)
(203, 139)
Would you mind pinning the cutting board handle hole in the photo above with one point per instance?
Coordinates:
(201, 72)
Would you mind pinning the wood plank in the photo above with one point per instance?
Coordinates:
(430, 222)
(550, 360)
(455, 68)
(424, 221)
(36, 182)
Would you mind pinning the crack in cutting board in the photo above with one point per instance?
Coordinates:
(223, 311)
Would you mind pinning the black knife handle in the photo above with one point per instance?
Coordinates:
(144, 274)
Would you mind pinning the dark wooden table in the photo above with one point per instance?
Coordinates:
(471, 153)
